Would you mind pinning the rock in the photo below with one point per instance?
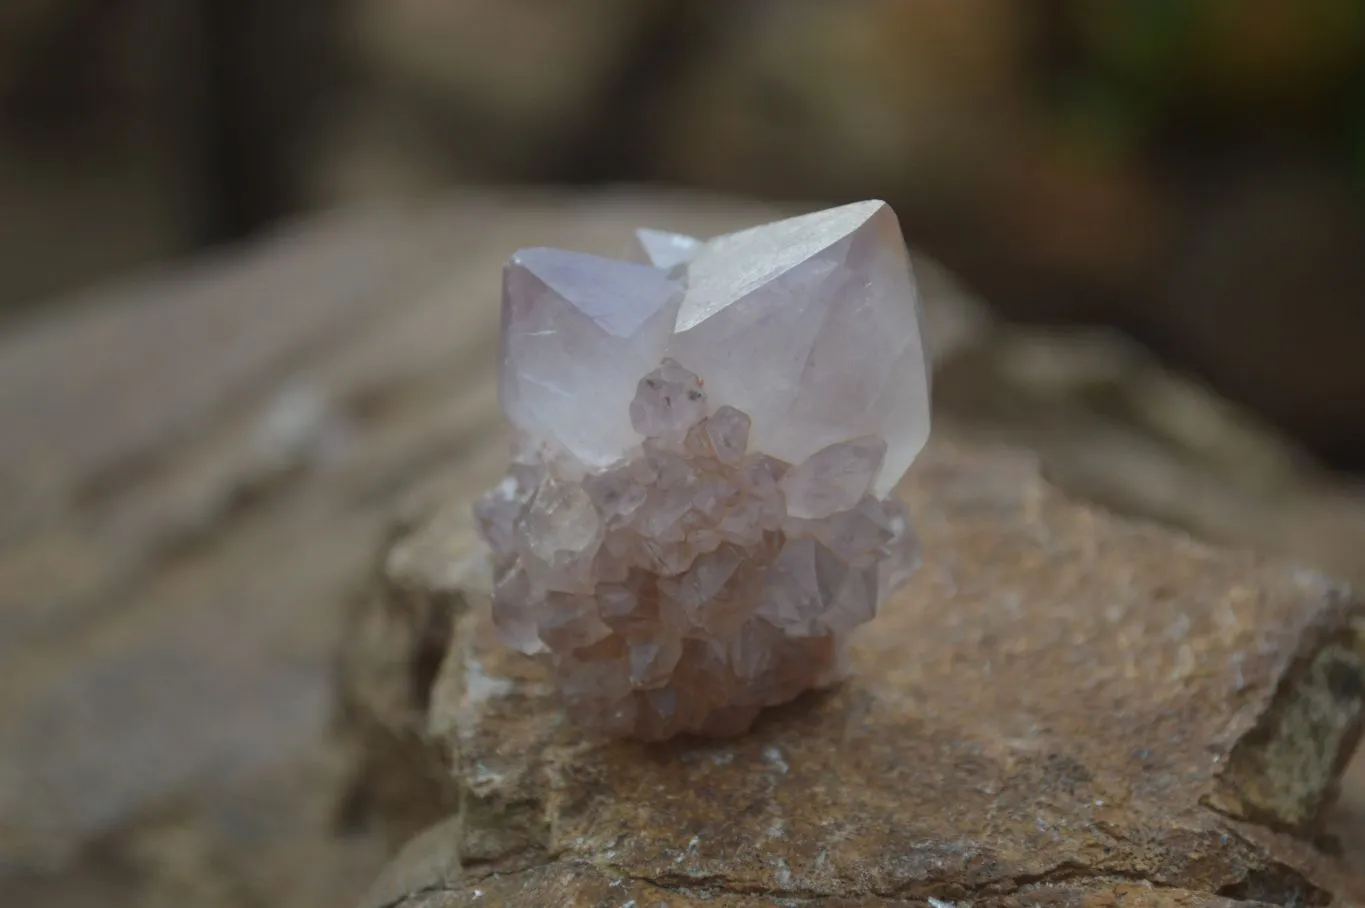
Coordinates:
(1061, 704)
(1112, 424)
(583, 884)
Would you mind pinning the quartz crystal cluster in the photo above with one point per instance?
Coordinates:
(699, 510)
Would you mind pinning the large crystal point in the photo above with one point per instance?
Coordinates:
(578, 331)
(812, 327)
(698, 514)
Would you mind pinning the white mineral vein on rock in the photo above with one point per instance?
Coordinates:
(698, 514)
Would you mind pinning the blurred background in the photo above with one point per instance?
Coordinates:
(1192, 173)
(223, 329)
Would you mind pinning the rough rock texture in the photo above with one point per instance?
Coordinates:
(1061, 704)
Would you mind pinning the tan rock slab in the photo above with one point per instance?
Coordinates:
(1063, 708)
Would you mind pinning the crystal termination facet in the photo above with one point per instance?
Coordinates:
(699, 513)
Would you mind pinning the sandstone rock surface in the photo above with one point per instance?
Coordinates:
(1061, 707)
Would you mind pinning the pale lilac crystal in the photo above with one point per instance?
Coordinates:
(802, 584)
(728, 432)
(571, 621)
(703, 580)
(616, 493)
(667, 402)
(834, 478)
(858, 535)
(558, 535)
(652, 660)
(497, 511)
(578, 331)
(854, 601)
(698, 517)
(663, 249)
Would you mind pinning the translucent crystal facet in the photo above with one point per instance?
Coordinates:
(578, 331)
(698, 514)
(665, 250)
(728, 432)
(668, 402)
(833, 479)
(825, 311)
